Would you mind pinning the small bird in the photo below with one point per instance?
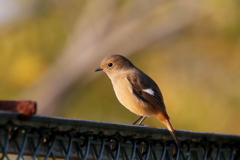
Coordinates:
(135, 90)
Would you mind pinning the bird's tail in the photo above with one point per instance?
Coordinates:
(166, 122)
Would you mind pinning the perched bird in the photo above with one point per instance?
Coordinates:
(135, 90)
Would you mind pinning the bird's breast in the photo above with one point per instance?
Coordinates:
(127, 98)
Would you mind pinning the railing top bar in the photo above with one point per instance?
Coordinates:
(65, 124)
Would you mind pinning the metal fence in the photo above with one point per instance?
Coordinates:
(59, 138)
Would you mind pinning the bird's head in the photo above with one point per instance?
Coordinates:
(113, 64)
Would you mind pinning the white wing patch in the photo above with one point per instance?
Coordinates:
(149, 91)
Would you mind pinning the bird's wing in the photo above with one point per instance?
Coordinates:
(148, 92)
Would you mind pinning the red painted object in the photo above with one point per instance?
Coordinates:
(25, 108)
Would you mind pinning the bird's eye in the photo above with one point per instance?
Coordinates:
(110, 64)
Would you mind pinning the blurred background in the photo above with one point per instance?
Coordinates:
(50, 49)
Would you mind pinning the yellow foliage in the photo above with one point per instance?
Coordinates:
(24, 69)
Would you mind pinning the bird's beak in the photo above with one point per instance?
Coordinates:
(98, 69)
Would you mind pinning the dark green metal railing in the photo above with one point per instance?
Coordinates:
(46, 137)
